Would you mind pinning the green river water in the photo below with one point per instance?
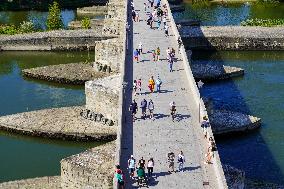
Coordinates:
(25, 157)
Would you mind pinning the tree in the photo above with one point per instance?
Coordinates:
(54, 20)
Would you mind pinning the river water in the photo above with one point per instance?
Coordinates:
(25, 157)
(260, 93)
(38, 17)
(213, 14)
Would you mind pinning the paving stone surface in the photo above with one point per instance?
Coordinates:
(155, 138)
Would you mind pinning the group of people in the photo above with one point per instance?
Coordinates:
(152, 83)
(211, 143)
(144, 105)
(180, 161)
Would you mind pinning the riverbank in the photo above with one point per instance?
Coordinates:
(74, 73)
(59, 123)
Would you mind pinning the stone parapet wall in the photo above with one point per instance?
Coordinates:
(233, 38)
(108, 53)
(102, 96)
(90, 169)
(54, 40)
(52, 182)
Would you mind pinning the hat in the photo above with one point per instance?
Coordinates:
(132, 156)
(205, 118)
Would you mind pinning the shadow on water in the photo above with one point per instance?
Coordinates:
(249, 152)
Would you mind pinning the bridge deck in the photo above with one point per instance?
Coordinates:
(148, 138)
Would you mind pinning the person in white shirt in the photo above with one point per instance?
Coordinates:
(181, 161)
(140, 46)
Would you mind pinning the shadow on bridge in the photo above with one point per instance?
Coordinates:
(246, 151)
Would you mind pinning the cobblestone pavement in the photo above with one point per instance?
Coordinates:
(156, 138)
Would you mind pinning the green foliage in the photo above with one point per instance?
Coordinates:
(268, 2)
(86, 23)
(263, 22)
(54, 20)
(26, 27)
(8, 30)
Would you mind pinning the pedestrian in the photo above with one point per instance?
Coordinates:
(139, 85)
(150, 167)
(168, 51)
(120, 179)
(143, 108)
(151, 84)
(158, 24)
(135, 55)
(167, 30)
(132, 6)
(134, 87)
(171, 161)
(154, 55)
(209, 155)
(158, 53)
(133, 15)
(205, 125)
(164, 21)
(173, 109)
(131, 166)
(158, 84)
(171, 63)
(152, 3)
(179, 43)
(181, 161)
(140, 48)
(145, 7)
(151, 108)
(137, 17)
(141, 163)
(133, 109)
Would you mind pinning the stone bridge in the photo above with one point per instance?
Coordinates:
(155, 138)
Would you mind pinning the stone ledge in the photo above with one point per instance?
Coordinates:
(225, 122)
(60, 123)
(74, 73)
(52, 182)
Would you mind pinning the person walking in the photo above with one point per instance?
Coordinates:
(154, 55)
(171, 161)
(135, 55)
(134, 87)
(181, 161)
(171, 63)
(145, 7)
(143, 108)
(120, 179)
(151, 84)
(139, 85)
(158, 84)
(141, 163)
(133, 13)
(205, 125)
(150, 167)
(137, 17)
(167, 30)
(158, 24)
(173, 109)
(164, 21)
(158, 53)
(140, 48)
(151, 108)
(131, 166)
(179, 43)
(133, 109)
